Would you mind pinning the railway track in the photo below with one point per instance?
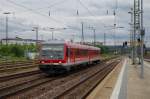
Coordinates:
(83, 88)
(148, 60)
(68, 85)
(16, 83)
(72, 88)
(15, 76)
(10, 66)
(147, 56)
(9, 63)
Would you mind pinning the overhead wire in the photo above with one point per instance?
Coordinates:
(36, 12)
(17, 24)
(52, 5)
(31, 10)
(88, 10)
(50, 18)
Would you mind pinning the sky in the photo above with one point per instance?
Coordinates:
(69, 14)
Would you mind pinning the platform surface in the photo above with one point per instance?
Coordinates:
(105, 88)
(135, 87)
(138, 88)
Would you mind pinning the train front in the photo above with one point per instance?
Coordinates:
(52, 57)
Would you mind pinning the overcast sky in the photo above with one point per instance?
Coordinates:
(25, 14)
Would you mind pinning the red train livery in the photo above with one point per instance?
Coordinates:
(60, 56)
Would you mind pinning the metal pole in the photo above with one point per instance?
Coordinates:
(52, 34)
(104, 38)
(115, 38)
(132, 39)
(6, 30)
(142, 41)
(82, 39)
(36, 29)
(6, 26)
(115, 29)
(94, 36)
(37, 35)
(134, 36)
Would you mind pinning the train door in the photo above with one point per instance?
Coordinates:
(89, 53)
(74, 56)
(71, 55)
(68, 54)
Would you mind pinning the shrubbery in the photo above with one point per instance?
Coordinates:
(104, 49)
(15, 50)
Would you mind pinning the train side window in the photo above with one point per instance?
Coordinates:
(78, 53)
(71, 52)
(68, 52)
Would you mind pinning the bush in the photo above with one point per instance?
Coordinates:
(4, 50)
(15, 50)
(104, 49)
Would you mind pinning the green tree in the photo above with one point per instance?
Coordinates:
(104, 49)
(17, 50)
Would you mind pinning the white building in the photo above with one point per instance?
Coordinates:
(91, 43)
(19, 41)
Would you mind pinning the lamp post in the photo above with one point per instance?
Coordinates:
(6, 13)
(37, 34)
(52, 29)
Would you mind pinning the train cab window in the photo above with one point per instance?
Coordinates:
(52, 51)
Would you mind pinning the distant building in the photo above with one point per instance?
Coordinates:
(98, 43)
(92, 43)
(19, 41)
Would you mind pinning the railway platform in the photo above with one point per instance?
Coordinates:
(124, 82)
(138, 88)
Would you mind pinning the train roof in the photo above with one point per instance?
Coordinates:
(54, 42)
(71, 45)
(76, 45)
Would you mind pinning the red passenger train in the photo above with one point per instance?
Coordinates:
(60, 56)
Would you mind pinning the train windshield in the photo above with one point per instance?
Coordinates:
(52, 51)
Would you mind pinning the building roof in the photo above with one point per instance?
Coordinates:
(20, 39)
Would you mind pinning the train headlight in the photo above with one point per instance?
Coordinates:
(60, 62)
(42, 62)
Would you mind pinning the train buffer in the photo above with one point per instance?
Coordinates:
(124, 82)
